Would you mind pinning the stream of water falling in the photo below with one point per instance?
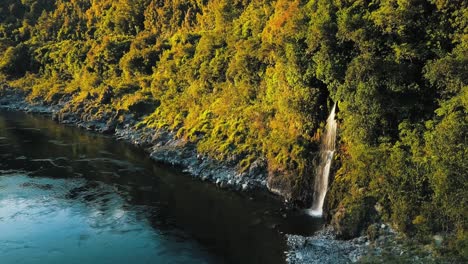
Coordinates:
(327, 149)
(71, 196)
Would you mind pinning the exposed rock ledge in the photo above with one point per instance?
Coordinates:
(324, 244)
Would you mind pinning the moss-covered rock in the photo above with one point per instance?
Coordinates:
(353, 216)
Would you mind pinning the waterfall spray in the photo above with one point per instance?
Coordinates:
(327, 149)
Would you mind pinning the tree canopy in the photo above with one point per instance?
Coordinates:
(255, 79)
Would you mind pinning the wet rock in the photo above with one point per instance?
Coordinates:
(55, 116)
(110, 126)
(278, 186)
(323, 248)
(257, 167)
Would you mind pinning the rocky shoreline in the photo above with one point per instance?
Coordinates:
(162, 145)
(305, 250)
(380, 244)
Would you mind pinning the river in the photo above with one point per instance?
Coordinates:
(72, 196)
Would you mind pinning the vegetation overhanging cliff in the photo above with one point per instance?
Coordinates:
(253, 80)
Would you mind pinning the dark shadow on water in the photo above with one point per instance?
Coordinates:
(231, 227)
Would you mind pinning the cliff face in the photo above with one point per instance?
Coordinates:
(249, 84)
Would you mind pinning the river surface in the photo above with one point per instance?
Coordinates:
(71, 196)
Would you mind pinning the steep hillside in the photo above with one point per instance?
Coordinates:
(252, 82)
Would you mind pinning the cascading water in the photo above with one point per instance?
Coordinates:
(327, 149)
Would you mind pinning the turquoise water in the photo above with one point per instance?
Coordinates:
(70, 196)
(40, 224)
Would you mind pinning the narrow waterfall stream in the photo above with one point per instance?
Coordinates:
(327, 149)
(72, 196)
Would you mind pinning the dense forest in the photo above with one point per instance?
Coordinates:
(250, 80)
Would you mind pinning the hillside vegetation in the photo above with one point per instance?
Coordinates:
(250, 80)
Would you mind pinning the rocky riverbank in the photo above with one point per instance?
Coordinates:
(162, 145)
(305, 250)
(381, 244)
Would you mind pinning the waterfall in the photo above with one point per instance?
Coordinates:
(327, 149)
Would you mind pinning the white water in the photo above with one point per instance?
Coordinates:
(327, 149)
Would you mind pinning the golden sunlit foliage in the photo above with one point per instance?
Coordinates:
(254, 79)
